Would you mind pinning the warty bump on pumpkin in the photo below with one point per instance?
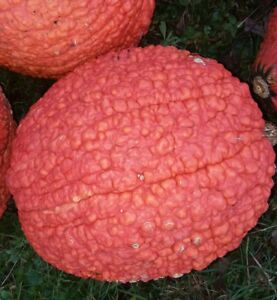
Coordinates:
(141, 164)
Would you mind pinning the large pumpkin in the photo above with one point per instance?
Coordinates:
(49, 38)
(265, 68)
(6, 133)
(141, 164)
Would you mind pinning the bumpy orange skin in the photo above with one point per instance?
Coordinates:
(7, 127)
(141, 164)
(49, 38)
(267, 57)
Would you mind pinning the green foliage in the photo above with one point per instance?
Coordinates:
(211, 28)
(214, 28)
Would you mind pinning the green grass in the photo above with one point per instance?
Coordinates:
(227, 31)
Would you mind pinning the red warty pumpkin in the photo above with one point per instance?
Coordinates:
(50, 38)
(141, 164)
(6, 133)
(265, 78)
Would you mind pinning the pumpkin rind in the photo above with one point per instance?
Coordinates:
(6, 133)
(49, 38)
(141, 164)
(265, 77)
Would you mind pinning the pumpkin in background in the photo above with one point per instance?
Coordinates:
(49, 38)
(6, 133)
(265, 74)
(141, 164)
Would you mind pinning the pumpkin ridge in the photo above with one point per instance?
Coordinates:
(131, 190)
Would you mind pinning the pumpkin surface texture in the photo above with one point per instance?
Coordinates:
(265, 78)
(6, 134)
(49, 38)
(141, 164)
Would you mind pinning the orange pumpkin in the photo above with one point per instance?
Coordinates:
(49, 38)
(6, 134)
(265, 74)
(141, 164)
